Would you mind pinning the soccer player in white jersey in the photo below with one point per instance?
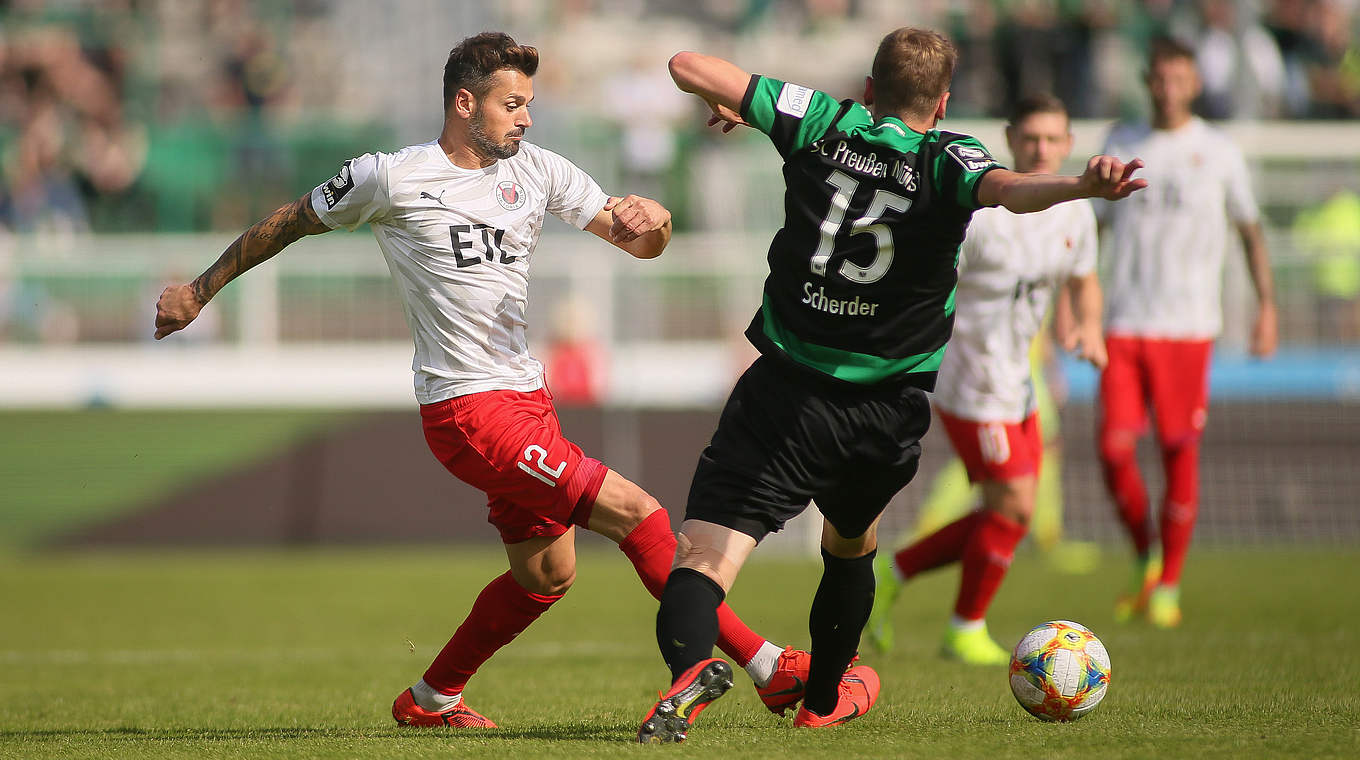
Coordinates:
(1010, 268)
(458, 219)
(1166, 254)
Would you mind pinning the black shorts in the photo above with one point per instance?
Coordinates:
(785, 439)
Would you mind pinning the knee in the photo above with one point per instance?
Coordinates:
(1175, 447)
(1117, 445)
(1012, 501)
(638, 507)
(1181, 512)
(849, 548)
(1017, 515)
(708, 561)
(620, 508)
(547, 580)
(555, 583)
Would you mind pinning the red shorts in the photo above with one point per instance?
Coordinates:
(1171, 374)
(510, 445)
(995, 450)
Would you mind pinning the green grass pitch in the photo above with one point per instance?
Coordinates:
(275, 654)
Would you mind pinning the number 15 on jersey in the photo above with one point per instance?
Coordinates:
(882, 202)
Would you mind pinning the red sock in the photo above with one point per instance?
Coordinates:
(939, 548)
(985, 561)
(1179, 509)
(1119, 464)
(651, 549)
(501, 612)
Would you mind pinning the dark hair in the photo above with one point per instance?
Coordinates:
(475, 61)
(1039, 102)
(912, 69)
(1166, 48)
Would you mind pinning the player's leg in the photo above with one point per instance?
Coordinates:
(736, 498)
(541, 571)
(707, 561)
(1002, 523)
(1180, 375)
(1005, 459)
(881, 438)
(507, 444)
(630, 517)
(1123, 419)
(837, 692)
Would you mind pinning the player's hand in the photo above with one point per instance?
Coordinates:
(1265, 336)
(635, 216)
(725, 116)
(1088, 344)
(176, 308)
(1109, 178)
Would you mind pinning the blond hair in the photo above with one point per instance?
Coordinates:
(912, 69)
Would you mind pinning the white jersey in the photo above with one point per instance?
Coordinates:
(458, 243)
(1168, 241)
(1010, 268)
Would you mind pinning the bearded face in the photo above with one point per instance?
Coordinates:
(493, 140)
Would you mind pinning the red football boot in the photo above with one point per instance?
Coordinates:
(786, 686)
(408, 713)
(670, 718)
(858, 690)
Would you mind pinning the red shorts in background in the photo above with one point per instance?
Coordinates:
(1173, 375)
(510, 445)
(995, 450)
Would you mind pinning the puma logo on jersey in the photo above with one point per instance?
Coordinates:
(439, 200)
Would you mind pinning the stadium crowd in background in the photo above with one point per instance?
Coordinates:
(105, 105)
(162, 116)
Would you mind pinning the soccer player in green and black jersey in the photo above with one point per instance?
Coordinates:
(857, 310)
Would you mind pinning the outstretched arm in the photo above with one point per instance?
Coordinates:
(180, 304)
(1265, 334)
(1105, 177)
(638, 225)
(722, 84)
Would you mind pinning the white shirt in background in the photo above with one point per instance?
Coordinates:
(1167, 242)
(1010, 268)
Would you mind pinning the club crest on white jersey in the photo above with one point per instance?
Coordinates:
(510, 195)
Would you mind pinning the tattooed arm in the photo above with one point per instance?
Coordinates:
(179, 304)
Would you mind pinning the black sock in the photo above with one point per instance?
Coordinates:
(839, 611)
(687, 623)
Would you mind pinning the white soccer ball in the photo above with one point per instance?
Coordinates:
(1059, 671)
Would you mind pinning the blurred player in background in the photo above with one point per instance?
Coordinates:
(458, 219)
(951, 494)
(857, 310)
(1166, 254)
(1010, 270)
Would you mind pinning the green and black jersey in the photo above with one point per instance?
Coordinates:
(862, 273)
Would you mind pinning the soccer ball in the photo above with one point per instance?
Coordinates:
(1059, 671)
